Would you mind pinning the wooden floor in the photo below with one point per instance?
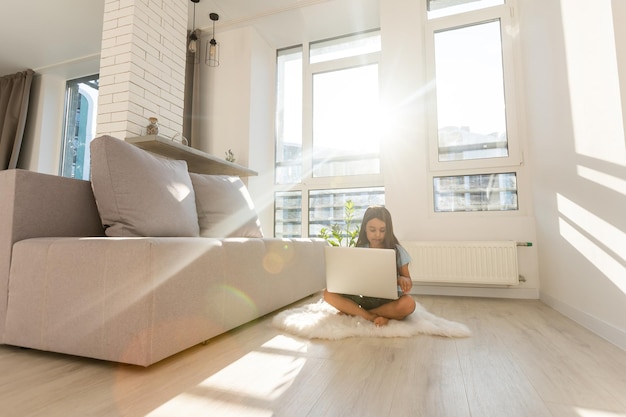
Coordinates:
(524, 359)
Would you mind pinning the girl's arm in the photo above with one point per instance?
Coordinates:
(404, 278)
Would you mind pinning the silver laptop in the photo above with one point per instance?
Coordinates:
(362, 271)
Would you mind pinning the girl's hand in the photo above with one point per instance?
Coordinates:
(405, 284)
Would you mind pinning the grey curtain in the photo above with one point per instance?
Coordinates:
(14, 97)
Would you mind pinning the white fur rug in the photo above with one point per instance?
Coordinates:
(322, 321)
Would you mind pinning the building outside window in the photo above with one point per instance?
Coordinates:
(79, 128)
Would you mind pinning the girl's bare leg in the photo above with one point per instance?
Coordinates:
(347, 306)
(397, 309)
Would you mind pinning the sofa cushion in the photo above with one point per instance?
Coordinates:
(224, 206)
(139, 194)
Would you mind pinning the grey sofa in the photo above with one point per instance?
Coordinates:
(66, 287)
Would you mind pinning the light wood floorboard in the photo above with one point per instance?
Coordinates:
(523, 360)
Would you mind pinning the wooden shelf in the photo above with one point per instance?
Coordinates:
(197, 161)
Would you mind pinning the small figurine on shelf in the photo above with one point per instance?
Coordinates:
(230, 156)
(153, 127)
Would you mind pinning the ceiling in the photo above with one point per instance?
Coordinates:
(42, 34)
(37, 34)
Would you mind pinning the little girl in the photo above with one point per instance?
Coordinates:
(377, 232)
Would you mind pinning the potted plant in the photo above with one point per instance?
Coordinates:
(336, 235)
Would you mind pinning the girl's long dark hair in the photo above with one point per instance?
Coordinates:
(380, 213)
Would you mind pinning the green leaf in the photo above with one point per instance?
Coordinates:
(336, 235)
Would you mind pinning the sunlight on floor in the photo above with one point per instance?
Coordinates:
(274, 374)
(584, 412)
(192, 405)
(273, 368)
(287, 343)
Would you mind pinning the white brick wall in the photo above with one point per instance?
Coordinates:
(142, 67)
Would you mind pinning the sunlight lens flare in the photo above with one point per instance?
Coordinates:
(237, 294)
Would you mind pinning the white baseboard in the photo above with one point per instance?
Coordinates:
(599, 327)
(459, 291)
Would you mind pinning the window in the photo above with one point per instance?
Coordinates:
(327, 138)
(483, 192)
(473, 111)
(470, 93)
(289, 116)
(344, 47)
(288, 214)
(326, 207)
(345, 114)
(81, 109)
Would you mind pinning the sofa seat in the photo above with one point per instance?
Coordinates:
(139, 300)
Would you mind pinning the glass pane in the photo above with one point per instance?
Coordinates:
(289, 116)
(440, 8)
(288, 214)
(81, 111)
(337, 48)
(345, 122)
(483, 192)
(471, 115)
(327, 207)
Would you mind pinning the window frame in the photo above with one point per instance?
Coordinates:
(307, 122)
(72, 96)
(470, 191)
(503, 13)
(521, 194)
(308, 182)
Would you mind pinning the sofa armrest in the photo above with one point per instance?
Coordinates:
(40, 205)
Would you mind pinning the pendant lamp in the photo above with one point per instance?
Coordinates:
(212, 57)
(192, 42)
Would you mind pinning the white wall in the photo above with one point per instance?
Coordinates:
(575, 72)
(43, 139)
(237, 111)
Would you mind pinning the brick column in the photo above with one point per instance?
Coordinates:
(142, 67)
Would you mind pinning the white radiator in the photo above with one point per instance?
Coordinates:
(474, 262)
